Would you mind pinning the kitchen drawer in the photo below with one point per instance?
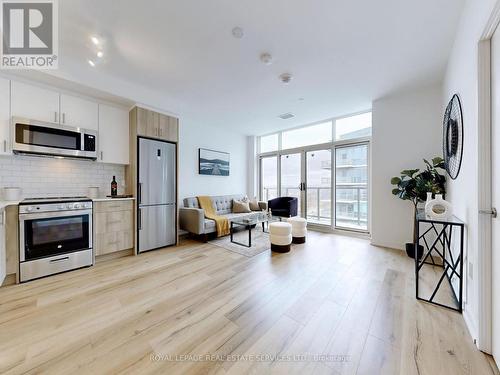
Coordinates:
(106, 243)
(112, 206)
(116, 221)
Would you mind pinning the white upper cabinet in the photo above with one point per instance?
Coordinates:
(5, 143)
(78, 112)
(33, 102)
(113, 135)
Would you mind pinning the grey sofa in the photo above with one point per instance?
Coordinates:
(192, 217)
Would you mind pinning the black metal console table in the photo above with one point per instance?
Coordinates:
(438, 239)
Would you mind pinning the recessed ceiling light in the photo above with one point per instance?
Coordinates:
(285, 78)
(301, 99)
(286, 116)
(237, 32)
(91, 63)
(95, 40)
(266, 58)
(100, 54)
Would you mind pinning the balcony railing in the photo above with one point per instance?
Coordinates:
(319, 210)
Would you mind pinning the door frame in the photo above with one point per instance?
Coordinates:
(485, 280)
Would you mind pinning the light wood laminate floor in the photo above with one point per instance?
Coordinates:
(335, 305)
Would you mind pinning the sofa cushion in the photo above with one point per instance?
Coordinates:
(240, 207)
(222, 204)
(254, 205)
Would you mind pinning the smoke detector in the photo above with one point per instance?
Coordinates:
(286, 116)
(286, 78)
(266, 58)
(237, 32)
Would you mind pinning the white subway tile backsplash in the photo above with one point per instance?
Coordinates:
(46, 177)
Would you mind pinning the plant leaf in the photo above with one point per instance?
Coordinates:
(395, 180)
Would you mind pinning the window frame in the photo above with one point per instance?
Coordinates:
(331, 145)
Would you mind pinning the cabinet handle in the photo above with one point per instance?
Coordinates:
(102, 155)
(2, 218)
(64, 118)
(139, 192)
(55, 116)
(59, 260)
(5, 145)
(161, 132)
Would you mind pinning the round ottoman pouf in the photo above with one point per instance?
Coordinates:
(299, 229)
(280, 234)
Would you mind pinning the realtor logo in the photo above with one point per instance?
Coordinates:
(29, 34)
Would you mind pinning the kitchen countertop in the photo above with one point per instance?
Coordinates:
(107, 199)
(4, 204)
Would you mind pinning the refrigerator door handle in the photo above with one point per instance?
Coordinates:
(139, 219)
(139, 193)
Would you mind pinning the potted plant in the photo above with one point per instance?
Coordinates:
(413, 185)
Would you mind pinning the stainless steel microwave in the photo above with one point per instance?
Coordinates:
(42, 138)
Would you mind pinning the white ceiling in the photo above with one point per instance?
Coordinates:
(342, 53)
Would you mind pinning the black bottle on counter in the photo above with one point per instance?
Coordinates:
(114, 187)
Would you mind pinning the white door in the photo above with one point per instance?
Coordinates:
(78, 112)
(5, 143)
(113, 135)
(34, 103)
(495, 178)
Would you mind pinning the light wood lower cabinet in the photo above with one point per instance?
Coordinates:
(113, 226)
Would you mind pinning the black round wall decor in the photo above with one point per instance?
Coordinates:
(453, 141)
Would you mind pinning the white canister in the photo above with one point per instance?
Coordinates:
(12, 193)
(93, 192)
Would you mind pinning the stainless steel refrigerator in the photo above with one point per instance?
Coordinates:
(157, 212)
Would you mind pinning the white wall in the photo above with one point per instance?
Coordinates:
(461, 77)
(406, 129)
(49, 177)
(252, 167)
(194, 135)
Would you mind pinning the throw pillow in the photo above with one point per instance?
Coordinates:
(254, 205)
(240, 207)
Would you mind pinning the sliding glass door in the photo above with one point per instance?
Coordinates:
(351, 187)
(308, 175)
(319, 187)
(291, 178)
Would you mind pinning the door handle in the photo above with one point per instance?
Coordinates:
(493, 212)
(139, 219)
(139, 192)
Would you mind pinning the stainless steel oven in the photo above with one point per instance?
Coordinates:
(54, 236)
(41, 138)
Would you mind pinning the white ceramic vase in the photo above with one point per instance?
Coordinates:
(438, 208)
